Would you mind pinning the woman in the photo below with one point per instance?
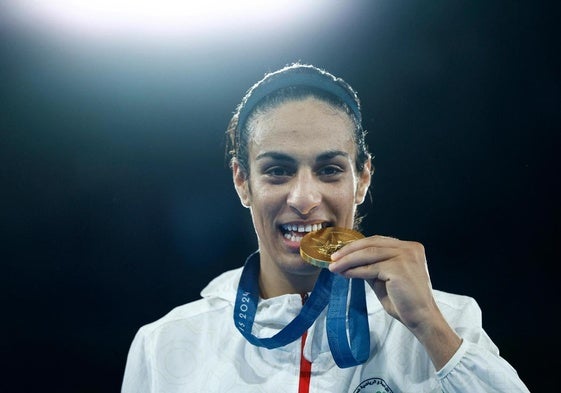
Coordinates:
(300, 164)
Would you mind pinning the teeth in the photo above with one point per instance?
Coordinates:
(292, 229)
(293, 238)
(301, 228)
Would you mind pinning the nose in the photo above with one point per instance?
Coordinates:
(304, 195)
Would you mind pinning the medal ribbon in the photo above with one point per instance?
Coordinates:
(359, 331)
(329, 289)
(248, 297)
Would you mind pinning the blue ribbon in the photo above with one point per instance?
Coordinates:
(357, 318)
(329, 289)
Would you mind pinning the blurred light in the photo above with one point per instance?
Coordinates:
(158, 17)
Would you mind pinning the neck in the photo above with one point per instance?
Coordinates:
(275, 282)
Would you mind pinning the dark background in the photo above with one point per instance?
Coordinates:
(116, 204)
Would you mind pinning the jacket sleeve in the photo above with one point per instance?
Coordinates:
(476, 367)
(137, 375)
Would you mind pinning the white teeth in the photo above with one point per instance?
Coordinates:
(293, 238)
(301, 228)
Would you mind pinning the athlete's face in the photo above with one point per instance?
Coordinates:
(302, 177)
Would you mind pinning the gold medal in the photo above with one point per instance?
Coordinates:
(316, 247)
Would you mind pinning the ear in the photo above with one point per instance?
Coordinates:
(364, 179)
(241, 183)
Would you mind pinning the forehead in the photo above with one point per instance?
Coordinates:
(301, 127)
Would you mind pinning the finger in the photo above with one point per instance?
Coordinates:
(365, 272)
(377, 240)
(362, 257)
(381, 271)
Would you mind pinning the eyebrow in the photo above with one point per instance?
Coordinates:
(325, 156)
(328, 155)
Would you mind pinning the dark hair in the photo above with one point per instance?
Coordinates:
(293, 82)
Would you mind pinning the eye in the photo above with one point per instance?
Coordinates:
(330, 171)
(278, 172)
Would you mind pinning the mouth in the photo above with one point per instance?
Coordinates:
(295, 232)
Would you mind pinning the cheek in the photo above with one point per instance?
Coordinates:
(344, 193)
(343, 200)
(265, 200)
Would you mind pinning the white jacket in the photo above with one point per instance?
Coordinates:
(197, 348)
